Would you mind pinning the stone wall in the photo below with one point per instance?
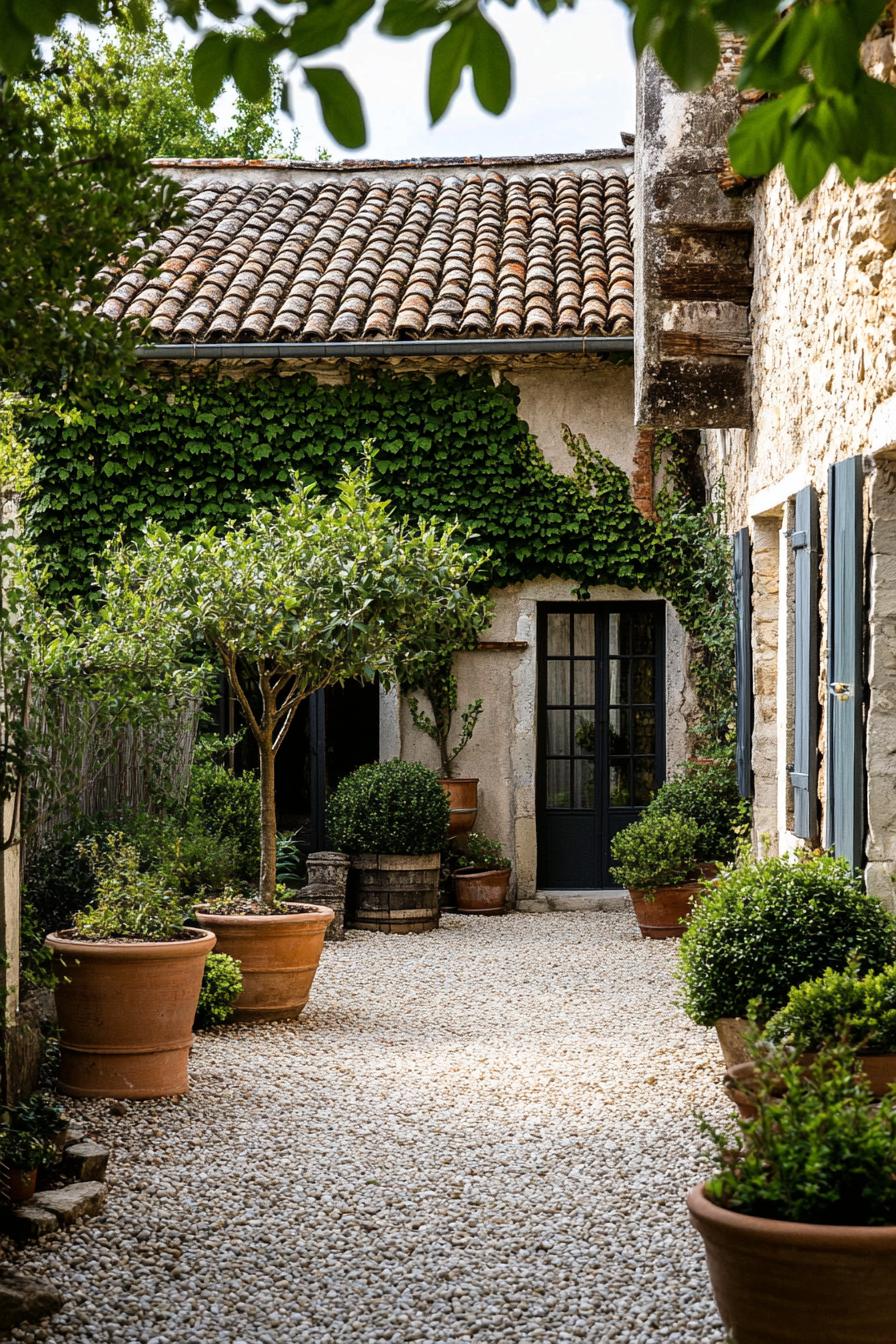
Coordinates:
(823, 375)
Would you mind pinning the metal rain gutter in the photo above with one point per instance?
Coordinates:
(267, 350)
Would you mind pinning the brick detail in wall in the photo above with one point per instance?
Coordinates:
(642, 473)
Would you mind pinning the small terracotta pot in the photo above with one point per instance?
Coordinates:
(660, 913)
(463, 800)
(798, 1283)
(737, 1082)
(278, 956)
(482, 891)
(22, 1184)
(731, 1032)
(126, 1013)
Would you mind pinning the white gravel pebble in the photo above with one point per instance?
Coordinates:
(482, 1135)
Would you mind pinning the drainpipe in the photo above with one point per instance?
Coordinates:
(266, 350)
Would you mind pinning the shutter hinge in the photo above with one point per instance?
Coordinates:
(798, 541)
(841, 689)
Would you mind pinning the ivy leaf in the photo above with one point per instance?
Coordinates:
(225, 10)
(16, 43)
(688, 47)
(492, 72)
(210, 67)
(834, 57)
(340, 105)
(39, 16)
(250, 66)
(449, 57)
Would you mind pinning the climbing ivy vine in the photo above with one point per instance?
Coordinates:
(188, 452)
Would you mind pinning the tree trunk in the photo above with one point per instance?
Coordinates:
(268, 876)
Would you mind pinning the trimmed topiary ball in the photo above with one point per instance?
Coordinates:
(768, 925)
(391, 807)
(708, 794)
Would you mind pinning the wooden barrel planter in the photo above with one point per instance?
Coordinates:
(463, 800)
(395, 893)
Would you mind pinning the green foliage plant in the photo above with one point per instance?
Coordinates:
(307, 594)
(710, 796)
(292, 871)
(40, 1115)
(479, 852)
(818, 1150)
(655, 851)
(222, 983)
(859, 1010)
(390, 807)
(130, 903)
(25, 1151)
(766, 925)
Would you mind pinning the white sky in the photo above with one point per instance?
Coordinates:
(574, 89)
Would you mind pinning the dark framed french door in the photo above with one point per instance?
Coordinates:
(601, 732)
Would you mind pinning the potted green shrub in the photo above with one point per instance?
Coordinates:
(707, 793)
(856, 1010)
(656, 858)
(392, 818)
(24, 1153)
(310, 593)
(127, 979)
(766, 925)
(799, 1219)
(481, 876)
(45, 1118)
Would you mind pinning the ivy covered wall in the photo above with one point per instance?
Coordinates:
(186, 452)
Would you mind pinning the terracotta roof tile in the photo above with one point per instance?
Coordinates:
(355, 258)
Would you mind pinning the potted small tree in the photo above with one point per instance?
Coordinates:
(312, 593)
(481, 876)
(766, 925)
(24, 1153)
(799, 1219)
(656, 858)
(392, 818)
(127, 980)
(430, 669)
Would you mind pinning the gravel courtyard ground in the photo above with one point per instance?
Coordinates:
(481, 1134)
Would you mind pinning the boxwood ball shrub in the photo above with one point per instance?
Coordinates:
(656, 851)
(222, 982)
(391, 807)
(708, 794)
(817, 1152)
(858, 1010)
(767, 925)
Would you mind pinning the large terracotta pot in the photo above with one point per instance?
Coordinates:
(482, 891)
(463, 801)
(798, 1283)
(659, 915)
(395, 893)
(126, 1013)
(278, 956)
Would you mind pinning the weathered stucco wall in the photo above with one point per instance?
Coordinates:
(823, 324)
(595, 400)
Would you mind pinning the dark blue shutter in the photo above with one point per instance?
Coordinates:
(804, 772)
(743, 659)
(845, 767)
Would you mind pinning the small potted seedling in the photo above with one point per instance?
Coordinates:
(481, 876)
(24, 1153)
